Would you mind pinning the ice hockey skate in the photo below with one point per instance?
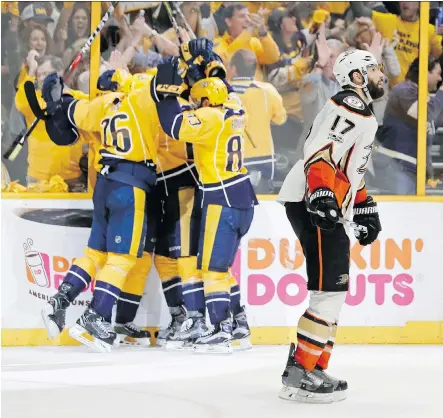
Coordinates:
(217, 340)
(192, 329)
(95, 326)
(241, 332)
(131, 334)
(301, 385)
(54, 312)
(178, 316)
(340, 386)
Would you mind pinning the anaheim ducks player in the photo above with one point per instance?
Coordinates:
(216, 129)
(320, 189)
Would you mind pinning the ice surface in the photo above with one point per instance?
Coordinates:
(67, 382)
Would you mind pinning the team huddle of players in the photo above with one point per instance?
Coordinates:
(171, 189)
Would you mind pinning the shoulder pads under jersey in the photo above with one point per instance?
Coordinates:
(350, 100)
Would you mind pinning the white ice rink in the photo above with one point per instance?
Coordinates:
(68, 382)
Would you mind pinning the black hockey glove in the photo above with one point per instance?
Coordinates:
(366, 214)
(200, 47)
(323, 207)
(169, 81)
(52, 91)
(196, 51)
(105, 83)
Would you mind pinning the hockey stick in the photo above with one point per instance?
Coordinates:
(31, 95)
(185, 22)
(192, 36)
(353, 225)
(17, 145)
(174, 22)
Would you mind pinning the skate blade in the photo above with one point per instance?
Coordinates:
(135, 342)
(77, 332)
(174, 345)
(302, 396)
(242, 345)
(222, 348)
(340, 395)
(51, 326)
(179, 346)
(160, 343)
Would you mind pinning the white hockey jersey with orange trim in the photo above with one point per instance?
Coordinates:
(336, 153)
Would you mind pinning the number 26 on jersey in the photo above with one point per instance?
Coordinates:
(115, 135)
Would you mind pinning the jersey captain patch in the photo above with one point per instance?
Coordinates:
(354, 102)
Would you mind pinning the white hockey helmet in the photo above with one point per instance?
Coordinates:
(355, 60)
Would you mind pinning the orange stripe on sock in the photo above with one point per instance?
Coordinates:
(307, 360)
(323, 361)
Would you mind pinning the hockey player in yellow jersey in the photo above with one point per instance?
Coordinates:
(173, 226)
(174, 239)
(216, 128)
(263, 105)
(128, 150)
(177, 235)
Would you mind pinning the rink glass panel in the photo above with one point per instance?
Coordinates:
(378, 185)
(56, 31)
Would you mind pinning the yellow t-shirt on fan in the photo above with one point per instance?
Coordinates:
(406, 35)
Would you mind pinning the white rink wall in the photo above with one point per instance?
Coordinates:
(396, 281)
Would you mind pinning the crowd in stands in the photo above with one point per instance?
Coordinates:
(279, 58)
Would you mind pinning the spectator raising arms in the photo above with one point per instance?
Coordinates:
(404, 29)
(286, 74)
(361, 34)
(245, 31)
(76, 27)
(191, 12)
(317, 87)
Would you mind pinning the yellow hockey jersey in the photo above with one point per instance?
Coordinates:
(217, 134)
(263, 106)
(127, 123)
(175, 167)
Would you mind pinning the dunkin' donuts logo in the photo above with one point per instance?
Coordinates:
(46, 272)
(37, 265)
(273, 271)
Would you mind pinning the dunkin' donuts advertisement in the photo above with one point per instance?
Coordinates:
(40, 240)
(396, 280)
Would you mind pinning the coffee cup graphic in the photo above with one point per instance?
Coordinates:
(34, 262)
(51, 238)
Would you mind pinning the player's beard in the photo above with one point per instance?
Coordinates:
(374, 91)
